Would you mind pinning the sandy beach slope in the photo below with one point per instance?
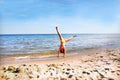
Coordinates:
(98, 66)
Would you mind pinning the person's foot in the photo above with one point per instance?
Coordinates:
(75, 36)
(56, 27)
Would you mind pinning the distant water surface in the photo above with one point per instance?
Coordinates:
(11, 44)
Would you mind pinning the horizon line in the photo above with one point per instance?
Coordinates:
(51, 33)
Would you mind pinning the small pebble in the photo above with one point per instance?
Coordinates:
(70, 76)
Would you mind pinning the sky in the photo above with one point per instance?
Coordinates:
(71, 16)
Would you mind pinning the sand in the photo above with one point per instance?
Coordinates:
(103, 65)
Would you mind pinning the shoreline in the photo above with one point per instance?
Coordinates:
(45, 56)
(103, 65)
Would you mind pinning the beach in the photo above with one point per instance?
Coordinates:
(34, 57)
(103, 65)
(59, 39)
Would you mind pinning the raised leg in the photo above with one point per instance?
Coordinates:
(70, 38)
(59, 34)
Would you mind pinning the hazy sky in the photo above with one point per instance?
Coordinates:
(72, 16)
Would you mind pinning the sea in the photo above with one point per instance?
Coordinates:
(12, 44)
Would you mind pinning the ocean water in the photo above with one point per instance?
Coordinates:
(11, 44)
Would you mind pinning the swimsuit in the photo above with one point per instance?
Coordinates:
(62, 46)
(62, 41)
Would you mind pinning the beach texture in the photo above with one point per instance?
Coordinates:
(98, 66)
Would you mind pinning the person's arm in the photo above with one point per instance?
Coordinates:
(70, 38)
(60, 36)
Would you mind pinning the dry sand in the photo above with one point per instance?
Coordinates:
(98, 66)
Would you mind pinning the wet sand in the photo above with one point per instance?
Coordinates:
(104, 65)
